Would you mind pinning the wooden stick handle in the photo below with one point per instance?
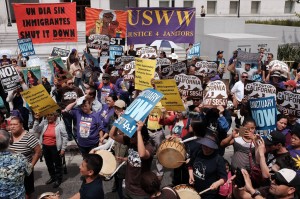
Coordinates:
(206, 190)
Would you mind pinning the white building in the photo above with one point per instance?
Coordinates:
(249, 9)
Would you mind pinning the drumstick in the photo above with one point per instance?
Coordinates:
(116, 170)
(206, 190)
(112, 144)
(189, 139)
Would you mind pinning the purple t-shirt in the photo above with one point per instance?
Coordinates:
(88, 127)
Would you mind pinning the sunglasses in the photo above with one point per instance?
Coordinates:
(277, 181)
(71, 83)
(105, 78)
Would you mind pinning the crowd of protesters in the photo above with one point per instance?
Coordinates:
(90, 103)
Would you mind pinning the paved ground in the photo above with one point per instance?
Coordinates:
(71, 182)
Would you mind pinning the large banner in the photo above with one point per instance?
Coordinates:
(138, 110)
(171, 100)
(47, 22)
(9, 78)
(255, 90)
(264, 113)
(289, 102)
(189, 85)
(148, 24)
(26, 47)
(144, 72)
(215, 94)
(194, 51)
(103, 26)
(39, 100)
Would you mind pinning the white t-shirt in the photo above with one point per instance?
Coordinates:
(238, 90)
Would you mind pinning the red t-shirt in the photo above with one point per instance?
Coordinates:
(49, 138)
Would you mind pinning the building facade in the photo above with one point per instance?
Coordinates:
(248, 9)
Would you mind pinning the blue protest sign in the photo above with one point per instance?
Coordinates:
(113, 51)
(138, 110)
(264, 112)
(26, 47)
(91, 60)
(194, 51)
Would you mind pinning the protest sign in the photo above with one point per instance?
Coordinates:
(168, 72)
(60, 52)
(44, 67)
(171, 100)
(149, 24)
(39, 100)
(264, 113)
(26, 47)
(103, 60)
(101, 23)
(120, 58)
(144, 72)
(162, 62)
(138, 110)
(59, 70)
(206, 68)
(189, 85)
(248, 57)
(215, 94)
(288, 102)
(91, 60)
(10, 79)
(113, 51)
(254, 89)
(97, 41)
(46, 22)
(147, 52)
(32, 75)
(194, 51)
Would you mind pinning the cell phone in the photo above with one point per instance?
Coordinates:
(242, 131)
(239, 179)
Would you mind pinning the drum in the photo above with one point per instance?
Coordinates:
(171, 154)
(109, 163)
(186, 192)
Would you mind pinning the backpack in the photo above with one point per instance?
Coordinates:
(101, 85)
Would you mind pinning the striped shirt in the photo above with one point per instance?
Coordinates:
(240, 157)
(25, 145)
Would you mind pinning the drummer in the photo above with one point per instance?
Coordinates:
(139, 160)
(151, 185)
(207, 167)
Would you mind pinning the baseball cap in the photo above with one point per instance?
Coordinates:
(287, 177)
(209, 141)
(120, 104)
(274, 138)
(276, 74)
(290, 83)
(106, 75)
(220, 52)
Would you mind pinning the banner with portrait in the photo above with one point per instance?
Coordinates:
(60, 72)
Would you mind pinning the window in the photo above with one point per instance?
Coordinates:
(211, 7)
(233, 7)
(255, 7)
(164, 4)
(289, 6)
(122, 5)
(188, 4)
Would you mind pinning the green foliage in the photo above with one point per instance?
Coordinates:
(288, 52)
